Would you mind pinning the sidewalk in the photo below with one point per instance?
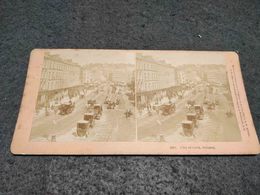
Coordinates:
(177, 102)
(42, 113)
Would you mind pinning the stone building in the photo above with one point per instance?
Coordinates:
(59, 78)
(154, 79)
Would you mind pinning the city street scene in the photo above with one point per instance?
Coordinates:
(114, 96)
(86, 96)
(183, 98)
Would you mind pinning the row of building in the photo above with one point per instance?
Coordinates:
(62, 77)
(153, 75)
(109, 72)
(58, 73)
(156, 79)
(152, 78)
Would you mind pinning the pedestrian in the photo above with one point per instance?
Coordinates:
(157, 110)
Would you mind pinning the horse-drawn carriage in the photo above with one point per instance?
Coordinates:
(199, 111)
(90, 118)
(168, 108)
(92, 102)
(193, 118)
(211, 106)
(97, 111)
(82, 128)
(188, 127)
(111, 105)
(189, 124)
(66, 107)
(191, 102)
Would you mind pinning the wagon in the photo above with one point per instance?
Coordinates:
(91, 102)
(193, 118)
(111, 105)
(168, 109)
(211, 106)
(90, 118)
(82, 128)
(199, 111)
(187, 127)
(191, 102)
(97, 111)
(66, 108)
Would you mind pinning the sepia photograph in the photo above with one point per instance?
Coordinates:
(181, 98)
(144, 96)
(86, 96)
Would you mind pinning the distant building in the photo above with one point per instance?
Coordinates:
(118, 75)
(108, 72)
(121, 75)
(88, 76)
(188, 73)
(216, 74)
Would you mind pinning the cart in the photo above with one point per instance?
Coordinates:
(187, 127)
(192, 117)
(92, 102)
(111, 105)
(66, 108)
(82, 128)
(191, 102)
(199, 111)
(211, 106)
(90, 118)
(168, 109)
(97, 111)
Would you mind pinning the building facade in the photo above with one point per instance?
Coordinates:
(59, 74)
(189, 73)
(121, 75)
(153, 78)
(59, 78)
(216, 74)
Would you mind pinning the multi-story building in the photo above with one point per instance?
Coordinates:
(215, 74)
(117, 73)
(153, 78)
(59, 74)
(88, 77)
(117, 76)
(121, 75)
(188, 73)
(58, 77)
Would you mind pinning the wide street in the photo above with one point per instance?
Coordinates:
(112, 125)
(215, 126)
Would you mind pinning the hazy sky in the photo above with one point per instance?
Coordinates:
(93, 56)
(128, 57)
(180, 57)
